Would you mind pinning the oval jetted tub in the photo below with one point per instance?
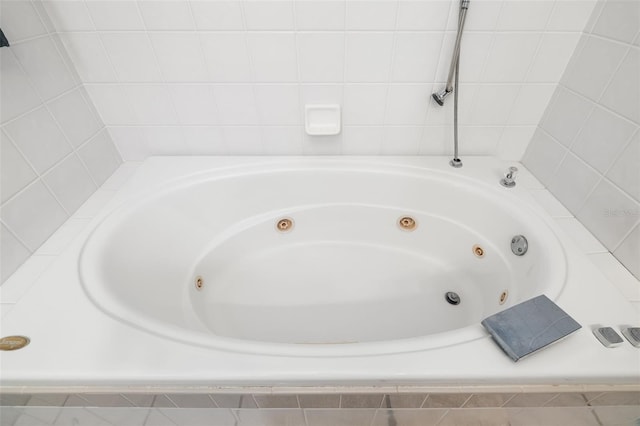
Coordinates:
(319, 258)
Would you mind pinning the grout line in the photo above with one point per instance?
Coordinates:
(612, 76)
(252, 83)
(444, 415)
(623, 239)
(312, 83)
(17, 42)
(170, 400)
(387, 102)
(162, 83)
(302, 117)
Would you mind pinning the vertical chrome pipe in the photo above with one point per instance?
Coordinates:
(456, 161)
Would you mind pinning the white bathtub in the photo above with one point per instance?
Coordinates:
(345, 278)
(185, 278)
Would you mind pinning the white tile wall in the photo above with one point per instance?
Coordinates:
(594, 116)
(513, 53)
(47, 122)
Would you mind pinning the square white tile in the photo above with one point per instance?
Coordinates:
(69, 15)
(572, 182)
(625, 172)
(321, 57)
(152, 104)
(422, 15)
(45, 66)
(12, 255)
(276, 15)
(371, 15)
(205, 140)
(368, 57)
(566, 116)
(543, 156)
(407, 104)
(530, 105)
(33, 215)
(236, 104)
(180, 57)
(227, 57)
(100, 157)
(552, 57)
(15, 172)
(166, 15)
(320, 15)
(18, 94)
(414, 55)
(273, 57)
(278, 104)
(112, 104)
(39, 138)
(602, 139)
(132, 56)
(601, 57)
(628, 252)
(622, 94)
(282, 140)
(609, 214)
(194, 103)
(115, 15)
(217, 15)
(19, 20)
(510, 57)
(364, 104)
(75, 117)
(89, 57)
(514, 141)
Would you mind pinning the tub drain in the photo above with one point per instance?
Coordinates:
(452, 298)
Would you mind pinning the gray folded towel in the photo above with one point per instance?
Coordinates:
(529, 326)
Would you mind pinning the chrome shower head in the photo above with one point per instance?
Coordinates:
(440, 96)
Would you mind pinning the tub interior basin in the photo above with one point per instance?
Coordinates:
(347, 273)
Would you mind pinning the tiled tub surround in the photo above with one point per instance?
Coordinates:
(54, 147)
(231, 77)
(326, 407)
(586, 150)
(99, 350)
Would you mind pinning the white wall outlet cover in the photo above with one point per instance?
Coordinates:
(322, 120)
